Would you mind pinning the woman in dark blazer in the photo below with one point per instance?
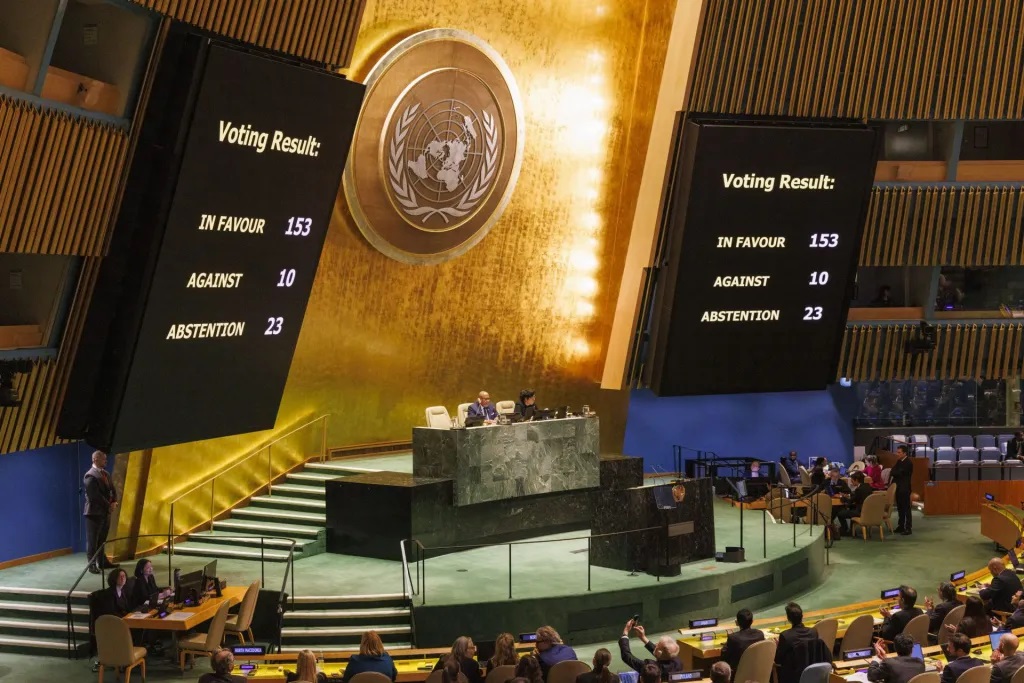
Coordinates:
(600, 672)
(371, 657)
(116, 598)
(145, 584)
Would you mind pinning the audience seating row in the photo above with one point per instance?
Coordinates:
(956, 441)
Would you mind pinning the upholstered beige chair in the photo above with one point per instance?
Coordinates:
(784, 478)
(1017, 677)
(872, 514)
(505, 407)
(463, 412)
(241, 624)
(438, 417)
(926, 677)
(917, 628)
(567, 671)
(952, 618)
(114, 647)
(978, 674)
(370, 677)
(827, 630)
(204, 644)
(500, 674)
(859, 633)
(757, 662)
(890, 503)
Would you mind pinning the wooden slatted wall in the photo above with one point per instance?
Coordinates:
(927, 59)
(58, 176)
(322, 31)
(963, 351)
(961, 226)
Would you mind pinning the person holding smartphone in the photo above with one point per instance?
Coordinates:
(666, 651)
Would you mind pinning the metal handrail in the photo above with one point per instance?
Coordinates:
(289, 572)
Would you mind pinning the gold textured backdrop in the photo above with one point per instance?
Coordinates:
(529, 306)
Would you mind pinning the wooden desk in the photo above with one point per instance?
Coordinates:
(204, 612)
(968, 497)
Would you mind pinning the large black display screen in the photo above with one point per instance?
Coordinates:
(765, 223)
(199, 306)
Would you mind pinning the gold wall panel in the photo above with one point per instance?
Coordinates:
(382, 340)
(319, 30)
(962, 351)
(948, 226)
(892, 59)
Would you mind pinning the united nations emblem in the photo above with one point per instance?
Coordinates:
(438, 147)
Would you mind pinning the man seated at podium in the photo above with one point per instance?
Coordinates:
(666, 652)
(526, 409)
(482, 412)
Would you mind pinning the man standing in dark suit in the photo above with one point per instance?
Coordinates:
(999, 593)
(797, 633)
(960, 659)
(1006, 660)
(737, 643)
(898, 669)
(937, 613)
(895, 622)
(100, 501)
(900, 474)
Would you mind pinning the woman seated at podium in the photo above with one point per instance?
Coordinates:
(526, 409)
(146, 586)
(371, 657)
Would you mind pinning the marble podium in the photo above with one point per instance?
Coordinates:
(501, 462)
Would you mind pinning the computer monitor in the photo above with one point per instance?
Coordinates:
(210, 570)
(189, 587)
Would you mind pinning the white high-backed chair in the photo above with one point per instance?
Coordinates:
(438, 417)
(505, 407)
(463, 411)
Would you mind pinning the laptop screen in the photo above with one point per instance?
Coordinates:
(994, 638)
(858, 654)
(917, 652)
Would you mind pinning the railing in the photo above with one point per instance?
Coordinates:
(290, 450)
(289, 575)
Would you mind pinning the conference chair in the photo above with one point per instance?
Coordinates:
(896, 440)
(890, 504)
(963, 441)
(1002, 440)
(817, 673)
(872, 514)
(500, 674)
(856, 466)
(438, 418)
(778, 506)
(967, 463)
(917, 628)
(827, 630)
(757, 662)
(1018, 677)
(115, 649)
(952, 618)
(926, 677)
(978, 674)
(860, 631)
(918, 441)
(505, 407)
(985, 441)
(942, 441)
(784, 478)
(567, 671)
(805, 476)
(990, 467)
(370, 677)
(204, 644)
(1013, 469)
(463, 411)
(241, 624)
(885, 474)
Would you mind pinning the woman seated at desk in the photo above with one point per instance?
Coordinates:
(371, 657)
(116, 598)
(145, 585)
(305, 670)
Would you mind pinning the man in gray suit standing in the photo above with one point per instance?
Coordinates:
(1006, 660)
(100, 501)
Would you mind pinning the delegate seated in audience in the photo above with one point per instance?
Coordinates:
(721, 673)
(791, 464)
(854, 504)
(371, 657)
(600, 673)
(305, 669)
(526, 409)
(551, 650)
(936, 613)
(895, 622)
(795, 634)
(116, 598)
(834, 485)
(898, 669)
(1004, 584)
(737, 642)
(223, 663)
(464, 652)
(974, 623)
(818, 474)
(504, 652)
(874, 470)
(451, 672)
(1016, 618)
(960, 659)
(1015, 447)
(650, 674)
(666, 652)
(529, 669)
(1006, 660)
(482, 412)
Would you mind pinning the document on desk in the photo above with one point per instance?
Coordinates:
(137, 615)
(179, 616)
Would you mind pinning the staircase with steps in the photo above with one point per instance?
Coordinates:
(35, 621)
(296, 509)
(335, 623)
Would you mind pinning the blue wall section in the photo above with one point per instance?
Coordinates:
(41, 501)
(756, 425)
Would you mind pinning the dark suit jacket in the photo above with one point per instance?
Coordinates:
(1003, 671)
(895, 670)
(470, 669)
(589, 677)
(1015, 620)
(142, 590)
(524, 412)
(107, 601)
(1003, 587)
(894, 625)
(1013, 447)
(99, 493)
(667, 666)
(901, 472)
(790, 637)
(857, 498)
(938, 613)
(737, 643)
(957, 667)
